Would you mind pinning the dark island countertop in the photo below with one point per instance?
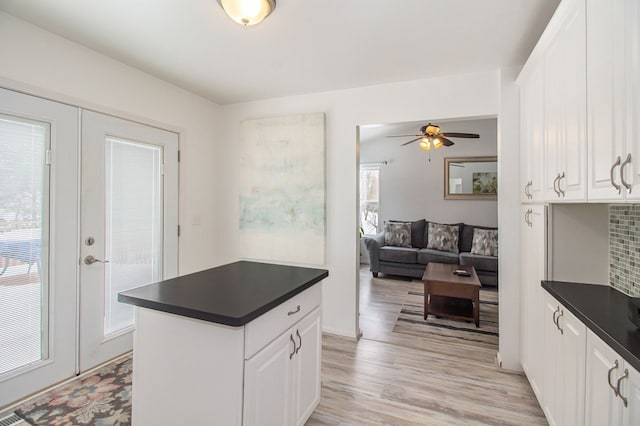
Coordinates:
(232, 294)
(604, 311)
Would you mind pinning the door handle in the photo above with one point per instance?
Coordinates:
(90, 260)
(624, 376)
(613, 367)
(613, 182)
(299, 337)
(625, 183)
(560, 180)
(294, 346)
(558, 322)
(554, 315)
(554, 185)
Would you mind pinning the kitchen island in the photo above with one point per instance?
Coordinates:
(232, 345)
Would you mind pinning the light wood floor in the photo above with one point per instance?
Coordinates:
(392, 379)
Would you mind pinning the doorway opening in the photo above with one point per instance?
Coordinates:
(402, 191)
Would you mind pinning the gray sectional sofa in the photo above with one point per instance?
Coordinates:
(412, 261)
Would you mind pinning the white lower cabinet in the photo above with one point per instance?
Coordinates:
(282, 381)
(612, 387)
(564, 365)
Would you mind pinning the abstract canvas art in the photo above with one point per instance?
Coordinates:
(282, 189)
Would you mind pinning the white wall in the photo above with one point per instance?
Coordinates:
(509, 219)
(412, 188)
(40, 63)
(473, 95)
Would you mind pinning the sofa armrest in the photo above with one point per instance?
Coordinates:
(373, 244)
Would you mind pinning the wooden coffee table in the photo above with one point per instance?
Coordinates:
(450, 295)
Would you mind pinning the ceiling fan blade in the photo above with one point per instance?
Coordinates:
(461, 135)
(411, 141)
(446, 142)
(402, 136)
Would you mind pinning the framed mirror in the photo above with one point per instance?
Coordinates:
(471, 178)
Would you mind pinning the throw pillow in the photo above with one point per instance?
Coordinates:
(485, 242)
(443, 237)
(397, 234)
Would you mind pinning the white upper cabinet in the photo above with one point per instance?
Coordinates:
(532, 133)
(613, 81)
(564, 64)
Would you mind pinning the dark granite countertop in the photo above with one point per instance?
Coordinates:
(604, 311)
(232, 294)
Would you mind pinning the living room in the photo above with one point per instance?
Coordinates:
(404, 183)
(77, 75)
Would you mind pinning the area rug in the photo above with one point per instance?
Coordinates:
(101, 398)
(411, 320)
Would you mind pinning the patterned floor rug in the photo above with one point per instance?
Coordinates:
(411, 321)
(102, 398)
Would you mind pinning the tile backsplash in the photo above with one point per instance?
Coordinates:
(624, 248)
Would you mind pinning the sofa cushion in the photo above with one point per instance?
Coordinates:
(466, 236)
(428, 255)
(417, 232)
(398, 254)
(480, 262)
(397, 234)
(443, 237)
(485, 242)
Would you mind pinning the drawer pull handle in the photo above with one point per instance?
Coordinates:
(614, 367)
(624, 376)
(294, 346)
(299, 337)
(554, 315)
(624, 182)
(294, 312)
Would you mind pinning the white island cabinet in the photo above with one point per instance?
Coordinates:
(235, 345)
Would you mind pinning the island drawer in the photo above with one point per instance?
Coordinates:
(264, 329)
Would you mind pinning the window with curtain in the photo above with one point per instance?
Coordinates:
(369, 199)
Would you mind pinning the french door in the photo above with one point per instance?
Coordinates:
(84, 214)
(129, 226)
(38, 243)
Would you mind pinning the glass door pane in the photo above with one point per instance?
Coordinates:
(24, 214)
(133, 225)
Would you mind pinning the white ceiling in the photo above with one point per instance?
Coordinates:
(305, 46)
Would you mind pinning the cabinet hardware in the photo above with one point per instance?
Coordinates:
(526, 190)
(299, 337)
(554, 185)
(526, 217)
(624, 376)
(613, 183)
(554, 315)
(558, 322)
(530, 194)
(560, 180)
(613, 367)
(294, 312)
(294, 346)
(625, 183)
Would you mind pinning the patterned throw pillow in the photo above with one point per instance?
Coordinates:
(443, 237)
(485, 242)
(397, 234)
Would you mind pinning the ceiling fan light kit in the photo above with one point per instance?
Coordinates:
(431, 137)
(248, 12)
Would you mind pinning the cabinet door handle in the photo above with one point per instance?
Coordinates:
(299, 337)
(613, 182)
(529, 190)
(554, 315)
(625, 183)
(295, 311)
(294, 346)
(560, 180)
(558, 322)
(526, 217)
(555, 181)
(624, 376)
(613, 367)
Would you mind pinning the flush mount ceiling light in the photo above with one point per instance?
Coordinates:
(248, 12)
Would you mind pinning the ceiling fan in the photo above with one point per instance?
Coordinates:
(431, 136)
